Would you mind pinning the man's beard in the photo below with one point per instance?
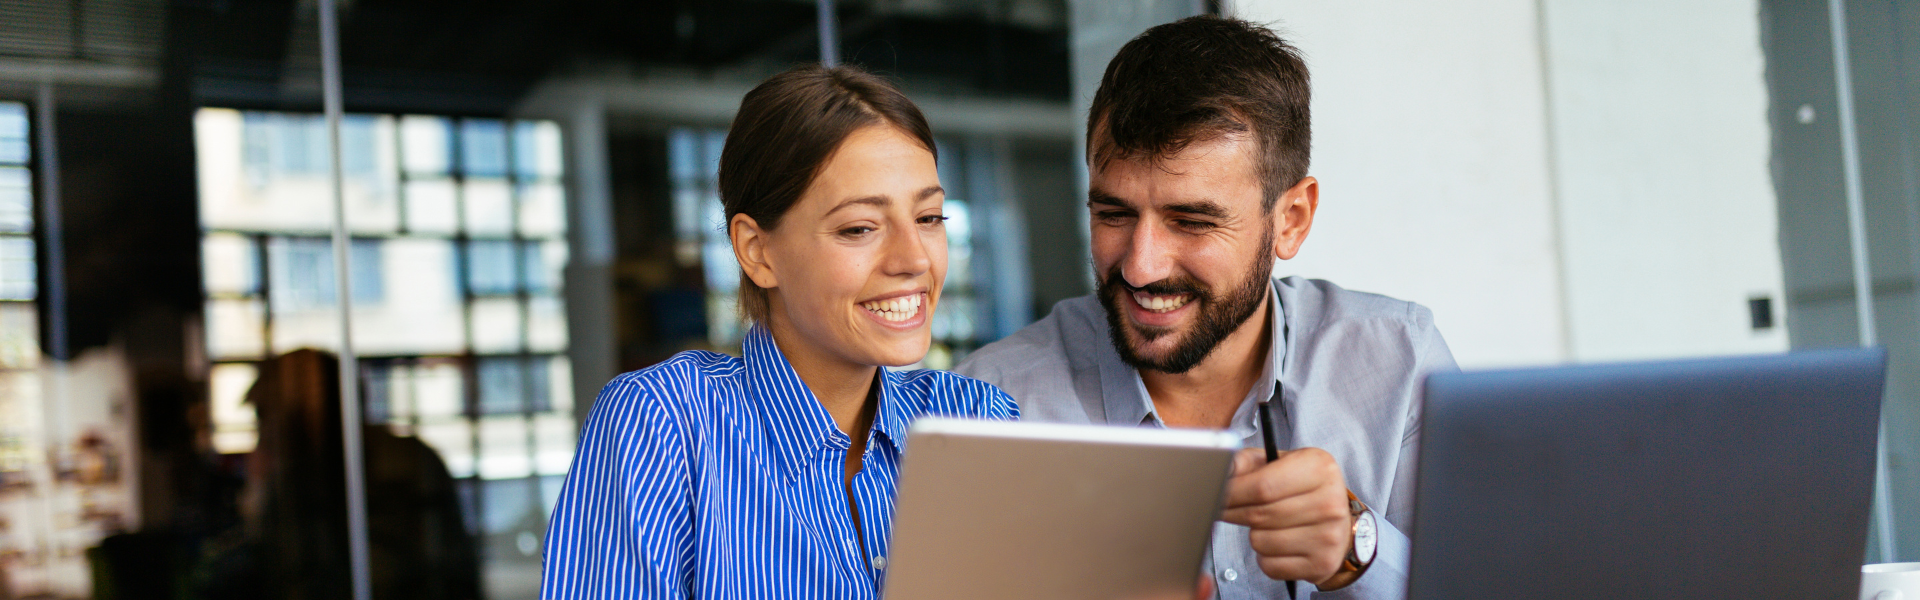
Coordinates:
(1219, 315)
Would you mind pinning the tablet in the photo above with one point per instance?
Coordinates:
(997, 509)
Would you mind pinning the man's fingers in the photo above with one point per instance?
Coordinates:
(1327, 505)
(1296, 472)
(1301, 568)
(1326, 543)
(1248, 461)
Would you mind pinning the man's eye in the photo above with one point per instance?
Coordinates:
(1111, 215)
(1194, 225)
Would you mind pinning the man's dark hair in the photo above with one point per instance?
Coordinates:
(1199, 78)
(783, 135)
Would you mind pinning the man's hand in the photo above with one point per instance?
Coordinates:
(1297, 509)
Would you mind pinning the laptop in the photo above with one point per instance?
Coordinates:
(1745, 477)
(996, 509)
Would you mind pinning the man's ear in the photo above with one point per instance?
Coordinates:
(1293, 217)
(750, 248)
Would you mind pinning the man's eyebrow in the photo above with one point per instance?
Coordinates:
(1205, 208)
(1095, 197)
(875, 201)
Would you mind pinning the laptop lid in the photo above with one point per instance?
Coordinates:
(1745, 477)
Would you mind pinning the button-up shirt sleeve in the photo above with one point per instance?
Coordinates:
(1386, 578)
(621, 528)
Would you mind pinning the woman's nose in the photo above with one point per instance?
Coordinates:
(906, 253)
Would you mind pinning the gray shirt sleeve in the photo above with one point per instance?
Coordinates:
(1386, 579)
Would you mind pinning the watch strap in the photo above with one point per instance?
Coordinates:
(1352, 567)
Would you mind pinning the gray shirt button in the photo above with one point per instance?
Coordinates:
(1230, 575)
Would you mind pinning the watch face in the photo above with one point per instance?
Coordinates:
(1365, 537)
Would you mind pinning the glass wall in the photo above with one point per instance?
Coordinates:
(458, 229)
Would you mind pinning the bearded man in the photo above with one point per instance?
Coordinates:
(1198, 144)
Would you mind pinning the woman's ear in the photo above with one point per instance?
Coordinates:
(750, 248)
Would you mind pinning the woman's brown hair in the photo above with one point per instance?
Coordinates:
(783, 135)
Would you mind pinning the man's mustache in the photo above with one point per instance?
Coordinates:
(1164, 287)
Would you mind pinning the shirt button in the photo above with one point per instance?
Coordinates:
(1230, 575)
(879, 563)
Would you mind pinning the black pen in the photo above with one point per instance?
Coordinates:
(1266, 423)
(1273, 451)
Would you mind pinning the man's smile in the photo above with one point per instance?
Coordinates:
(1161, 303)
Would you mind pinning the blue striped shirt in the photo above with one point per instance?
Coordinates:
(718, 477)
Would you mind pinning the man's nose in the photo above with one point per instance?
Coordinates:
(1149, 255)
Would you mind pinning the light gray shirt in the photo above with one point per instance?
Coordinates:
(1351, 366)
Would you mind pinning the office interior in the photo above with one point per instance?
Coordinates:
(528, 189)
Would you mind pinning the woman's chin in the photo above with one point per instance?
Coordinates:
(899, 352)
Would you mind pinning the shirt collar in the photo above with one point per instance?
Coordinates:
(1127, 400)
(797, 426)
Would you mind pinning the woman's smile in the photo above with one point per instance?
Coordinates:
(898, 311)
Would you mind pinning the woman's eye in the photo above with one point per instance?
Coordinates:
(857, 230)
(933, 220)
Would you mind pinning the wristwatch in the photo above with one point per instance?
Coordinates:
(1366, 542)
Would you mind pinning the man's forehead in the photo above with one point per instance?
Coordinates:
(1218, 170)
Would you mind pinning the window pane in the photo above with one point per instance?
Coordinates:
(376, 377)
(536, 148)
(497, 324)
(546, 324)
(554, 436)
(13, 133)
(483, 148)
(421, 311)
(439, 390)
(430, 206)
(491, 268)
(228, 264)
(512, 384)
(424, 145)
(303, 276)
(541, 264)
(488, 207)
(16, 200)
(543, 211)
(17, 280)
(19, 335)
(453, 439)
(236, 329)
(234, 427)
(560, 382)
(503, 448)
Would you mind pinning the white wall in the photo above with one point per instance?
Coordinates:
(1559, 180)
(1667, 207)
(1430, 145)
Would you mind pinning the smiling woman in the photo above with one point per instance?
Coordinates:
(772, 475)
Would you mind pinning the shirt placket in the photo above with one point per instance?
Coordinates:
(850, 558)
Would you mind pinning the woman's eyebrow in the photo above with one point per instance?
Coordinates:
(875, 201)
(928, 192)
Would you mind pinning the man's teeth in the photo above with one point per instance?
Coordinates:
(1160, 304)
(896, 309)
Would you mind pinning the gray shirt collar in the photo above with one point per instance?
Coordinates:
(1130, 403)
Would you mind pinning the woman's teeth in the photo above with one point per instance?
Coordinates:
(1160, 304)
(897, 309)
